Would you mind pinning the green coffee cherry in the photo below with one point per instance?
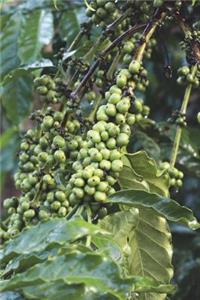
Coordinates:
(59, 141)
(100, 196)
(29, 214)
(79, 182)
(43, 215)
(128, 47)
(115, 154)
(110, 110)
(55, 205)
(89, 190)
(43, 157)
(134, 67)
(117, 165)
(105, 165)
(103, 186)
(121, 80)
(114, 98)
(120, 119)
(60, 196)
(78, 192)
(62, 211)
(59, 156)
(93, 181)
(47, 122)
(131, 119)
(111, 143)
(122, 139)
(48, 180)
(99, 173)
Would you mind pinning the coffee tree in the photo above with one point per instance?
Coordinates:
(92, 218)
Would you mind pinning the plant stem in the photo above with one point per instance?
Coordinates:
(76, 40)
(88, 240)
(72, 212)
(147, 34)
(113, 66)
(179, 130)
(95, 108)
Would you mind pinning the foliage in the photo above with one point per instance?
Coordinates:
(97, 174)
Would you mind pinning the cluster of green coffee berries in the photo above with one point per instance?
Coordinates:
(134, 77)
(173, 174)
(132, 44)
(178, 118)
(46, 87)
(47, 154)
(103, 12)
(99, 162)
(185, 76)
(100, 78)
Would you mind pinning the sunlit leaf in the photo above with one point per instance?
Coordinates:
(166, 207)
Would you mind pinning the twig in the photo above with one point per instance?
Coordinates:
(102, 55)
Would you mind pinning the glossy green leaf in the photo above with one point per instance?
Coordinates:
(47, 234)
(11, 296)
(106, 245)
(93, 270)
(146, 243)
(37, 31)
(70, 28)
(140, 140)
(25, 261)
(60, 290)
(129, 179)
(147, 168)
(166, 207)
(16, 95)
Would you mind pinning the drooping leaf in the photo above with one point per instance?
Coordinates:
(8, 44)
(37, 31)
(6, 136)
(146, 167)
(8, 156)
(146, 243)
(16, 95)
(47, 234)
(166, 207)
